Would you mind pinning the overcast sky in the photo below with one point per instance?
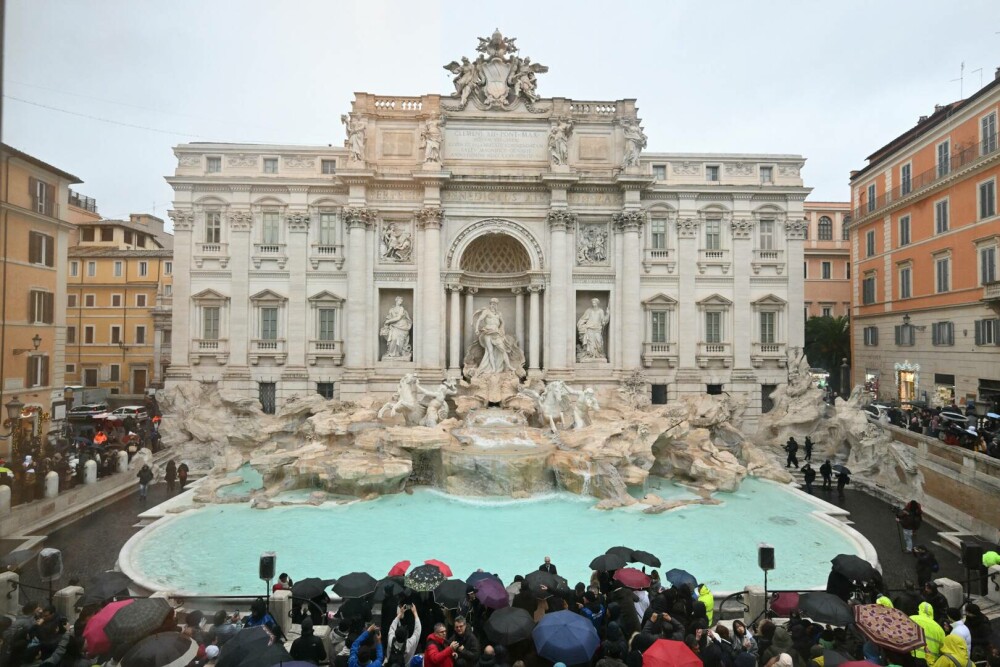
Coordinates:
(831, 81)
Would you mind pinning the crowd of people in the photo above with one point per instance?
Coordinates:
(951, 424)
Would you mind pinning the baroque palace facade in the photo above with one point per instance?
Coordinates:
(489, 229)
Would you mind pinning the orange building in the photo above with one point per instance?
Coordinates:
(827, 256)
(34, 237)
(925, 236)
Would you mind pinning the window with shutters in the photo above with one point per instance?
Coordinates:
(116, 334)
(905, 179)
(768, 323)
(942, 272)
(88, 335)
(658, 233)
(825, 229)
(90, 377)
(129, 237)
(143, 269)
(872, 199)
(71, 335)
(905, 334)
(943, 333)
(87, 235)
(845, 229)
(213, 165)
(905, 282)
(38, 371)
(987, 265)
(713, 234)
(713, 326)
(327, 228)
(140, 300)
(767, 174)
(168, 268)
(943, 158)
(870, 243)
(43, 197)
(904, 230)
(41, 307)
(827, 268)
(988, 199)
(115, 373)
(107, 234)
(659, 327)
(941, 216)
(988, 128)
(270, 229)
(328, 166)
(270, 165)
(766, 235)
(868, 290)
(91, 269)
(827, 311)
(116, 300)
(871, 336)
(89, 300)
(269, 323)
(140, 335)
(74, 269)
(41, 249)
(712, 173)
(986, 332)
(118, 269)
(660, 172)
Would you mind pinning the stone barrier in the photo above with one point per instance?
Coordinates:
(9, 582)
(64, 601)
(952, 591)
(90, 472)
(4, 500)
(281, 609)
(51, 484)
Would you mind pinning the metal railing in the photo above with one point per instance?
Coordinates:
(80, 201)
(959, 159)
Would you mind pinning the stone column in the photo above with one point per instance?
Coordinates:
(631, 222)
(557, 343)
(180, 360)
(455, 332)
(238, 328)
(296, 335)
(358, 220)
(470, 335)
(431, 315)
(534, 328)
(795, 234)
(519, 315)
(688, 324)
(742, 316)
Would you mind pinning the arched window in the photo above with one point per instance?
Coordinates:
(845, 232)
(825, 229)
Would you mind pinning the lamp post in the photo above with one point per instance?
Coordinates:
(121, 373)
(13, 425)
(845, 378)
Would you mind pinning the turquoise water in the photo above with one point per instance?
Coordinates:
(250, 480)
(215, 550)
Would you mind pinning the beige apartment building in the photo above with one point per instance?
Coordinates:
(118, 304)
(827, 260)
(34, 214)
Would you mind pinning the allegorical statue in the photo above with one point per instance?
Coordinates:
(586, 404)
(397, 246)
(493, 338)
(431, 137)
(437, 406)
(356, 127)
(590, 329)
(592, 246)
(635, 141)
(468, 75)
(396, 330)
(559, 142)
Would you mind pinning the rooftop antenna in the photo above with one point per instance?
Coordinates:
(980, 70)
(961, 82)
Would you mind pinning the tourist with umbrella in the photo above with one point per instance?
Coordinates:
(311, 590)
(678, 578)
(608, 563)
(843, 478)
(669, 653)
(491, 594)
(164, 649)
(403, 646)
(509, 626)
(567, 637)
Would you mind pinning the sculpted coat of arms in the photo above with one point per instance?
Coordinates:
(497, 79)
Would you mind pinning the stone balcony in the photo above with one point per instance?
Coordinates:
(217, 251)
(326, 253)
(275, 348)
(771, 258)
(209, 347)
(273, 251)
(991, 295)
(762, 352)
(715, 352)
(659, 352)
(659, 256)
(326, 349)
(714, 258)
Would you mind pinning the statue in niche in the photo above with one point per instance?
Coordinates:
(396, 330)
(552, 402)
(559, 142)
(356, 127)
(635, 141)
(431, 137)
(494, 362)
(437, 408)
(397, 244)
(590, 329)
(592, 247)
(406, 400)
(586, 404)
(493, 338)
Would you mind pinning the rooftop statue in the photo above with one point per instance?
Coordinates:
(497, 78)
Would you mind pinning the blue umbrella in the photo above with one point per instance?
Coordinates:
(564, 636)
(476, 577)
(678, 578)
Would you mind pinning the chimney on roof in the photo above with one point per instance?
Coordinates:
(854, 172)
(922, 119)
(937, 107)
(996, 75)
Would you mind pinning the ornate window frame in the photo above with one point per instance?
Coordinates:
(276, 347)
(666, 350)
(201, 347)
(325, 349)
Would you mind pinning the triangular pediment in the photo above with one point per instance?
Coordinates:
(326, 297)
(715, 300)
(660, 299)
(770, 300)
(268, 295)
(209, 295)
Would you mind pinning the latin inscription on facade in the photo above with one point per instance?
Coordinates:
(489, 144)
(495, 196)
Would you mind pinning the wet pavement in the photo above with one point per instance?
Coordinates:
(91, 545)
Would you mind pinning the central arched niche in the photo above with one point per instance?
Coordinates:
(492, 254)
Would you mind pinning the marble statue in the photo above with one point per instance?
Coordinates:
(397, 244)
(590, 329)
(559, 142)
(584, 407)
(468, 76)
(396, 330)
(497, 78)
(553, 402)
(406, 400)
(436, 410)
(592, 245)
(522, 77)
(635, 141)
(431, 137)
(356, 127)
(497, 348)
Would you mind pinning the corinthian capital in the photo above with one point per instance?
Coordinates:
(560, 218)
(430, 217)
(360, 217)
(629, 221)
(183, 220)
(796, 229)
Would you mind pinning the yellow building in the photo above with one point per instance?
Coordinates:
(34, 238)
(118, 305)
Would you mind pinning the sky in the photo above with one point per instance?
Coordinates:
(832, 81)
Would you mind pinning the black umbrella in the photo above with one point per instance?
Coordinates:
(104, 586)
(645, 558)
(854, 567)
(424, 578)
(275, 654)
(608, 562)
(624, 552)
(388, 587)
(164, 649)
(244, 643)
(543, 584)
(842, 468)
(450, 593)
(825, 608)
(133, 622)
(355, 585)
(356, 608)
(310, 587)
(509, 625)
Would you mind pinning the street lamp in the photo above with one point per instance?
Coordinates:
(36, 340)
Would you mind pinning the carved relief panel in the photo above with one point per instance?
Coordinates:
(396, 242)
(592, 246)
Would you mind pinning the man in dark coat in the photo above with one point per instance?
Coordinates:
(808, 476)
(467, 653)
(547, 566)
(792, 448)
(308, 646)
(809, 449)
(826, 470)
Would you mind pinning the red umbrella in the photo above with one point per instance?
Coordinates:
(783, 604)
(669, 653)
(399, 569)
(632, 577)
(889, 628)
(445, 570)
(98, 642)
